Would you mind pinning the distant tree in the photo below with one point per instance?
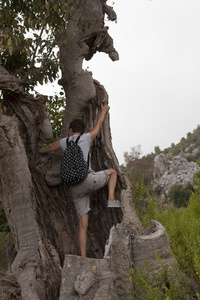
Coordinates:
(180, 195)
(134, 154)
(189, 135)
(137, 167)
(166, 150)
(157, 150)
(182, 141)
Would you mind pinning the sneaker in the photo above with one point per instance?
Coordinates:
(114, 204)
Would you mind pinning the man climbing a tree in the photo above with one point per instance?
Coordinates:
(93, 181)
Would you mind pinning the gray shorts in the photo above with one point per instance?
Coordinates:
(81, 191)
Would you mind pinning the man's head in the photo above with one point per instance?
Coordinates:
(77, 126)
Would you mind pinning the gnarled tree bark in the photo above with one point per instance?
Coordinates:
(42, 218)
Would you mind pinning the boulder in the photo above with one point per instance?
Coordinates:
(176, 171)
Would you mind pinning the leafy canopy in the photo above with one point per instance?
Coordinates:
(28, 31)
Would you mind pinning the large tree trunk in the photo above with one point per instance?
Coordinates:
(41, 215)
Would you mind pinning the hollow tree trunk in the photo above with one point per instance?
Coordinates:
(40, 212)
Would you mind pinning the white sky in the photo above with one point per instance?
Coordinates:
(154, 89)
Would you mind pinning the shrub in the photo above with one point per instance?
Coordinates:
(180, 195)
(151, 210)
(157, 150)
(183, 229)
(197, 174)
(139, 194)
(167, 283)
(176, 150)
(166, 150)
(158, 190)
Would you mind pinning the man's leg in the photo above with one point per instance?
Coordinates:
(112, 184)
(82, 234)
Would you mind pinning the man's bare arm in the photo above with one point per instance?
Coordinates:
(50, 148)
(97, 127)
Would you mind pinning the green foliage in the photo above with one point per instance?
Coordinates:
(197, 175)
(181, 218)
(151, 210)
(146, 204)
(123, 168)
(158, 190)
(183, 229)
(28, 36)
(198, 161)
(191, 142)
(26, 41)
(166, 150)
(157, 150)
(182, 225)
(139, 193)
(179, 194)
(56, 109)
(167, 283)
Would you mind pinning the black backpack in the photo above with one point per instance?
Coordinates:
(74, 169)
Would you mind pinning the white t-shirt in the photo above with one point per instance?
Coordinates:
(84, 143)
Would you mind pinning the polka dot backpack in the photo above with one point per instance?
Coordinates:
(74, 169)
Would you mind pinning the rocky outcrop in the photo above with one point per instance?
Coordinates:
(169, 172)
(191, 150)
(100, 279)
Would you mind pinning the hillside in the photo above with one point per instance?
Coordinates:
(189, 147)
(174, 165)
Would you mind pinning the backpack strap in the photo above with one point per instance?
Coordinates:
(67, 142)
(76, 142)
(88, 159)
(78, 138)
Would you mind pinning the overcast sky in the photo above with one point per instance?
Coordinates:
(154, 89)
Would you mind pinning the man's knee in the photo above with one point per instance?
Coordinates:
(112, 171)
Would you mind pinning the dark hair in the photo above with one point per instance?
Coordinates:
(77, 125)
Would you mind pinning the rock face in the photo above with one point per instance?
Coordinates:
(169, 172)
(100, 279)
